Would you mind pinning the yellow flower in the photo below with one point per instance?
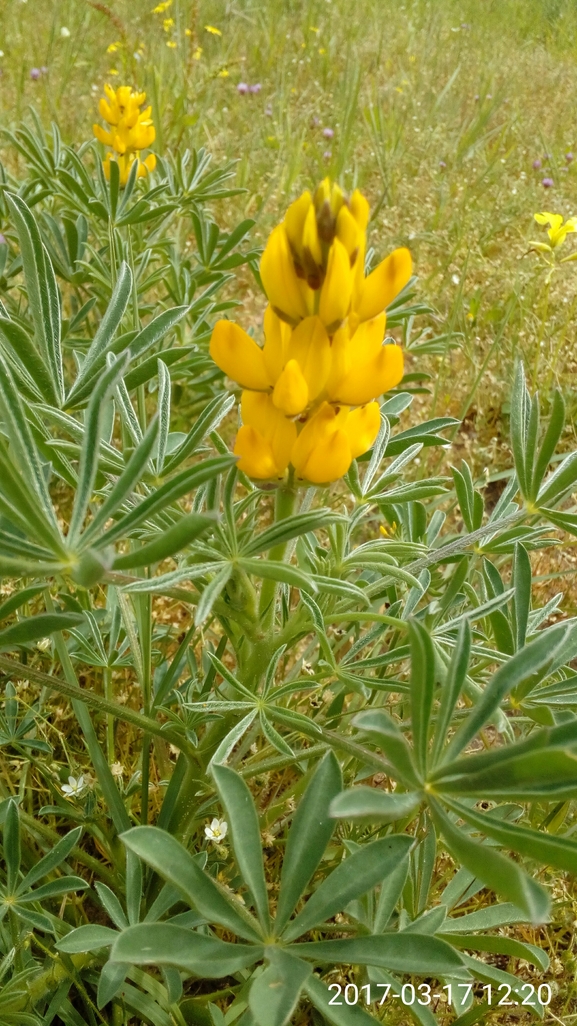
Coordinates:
(213, 31)
(310, 390)
(197, 53)
(131, 130)
(557, 232)
(162, 7)
(171, 44)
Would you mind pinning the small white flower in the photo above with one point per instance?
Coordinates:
(65, 32)
(1, 53)
(43, 644)
(455, 279)
(217, 830)
(74, 787)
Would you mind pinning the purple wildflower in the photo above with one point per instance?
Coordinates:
(442, 165)
(3, 240)
(242, 88)
(35, 74)
(536, 165)
(328, 133)
(547, 183)
(327, 155)
(568, 157)
(256, 88)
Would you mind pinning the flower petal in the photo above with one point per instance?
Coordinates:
(238, 355)
(384, 283)
(279, 277)
(337, 287)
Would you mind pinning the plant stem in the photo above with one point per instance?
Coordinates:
(284, 506)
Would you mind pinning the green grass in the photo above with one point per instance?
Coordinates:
(486, 88)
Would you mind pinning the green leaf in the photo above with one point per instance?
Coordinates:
(125, 484)
(536, 658)
(90, 448)
(422, 684)
(50, 861)
(276, 571)
(408, 952)
(23, 447)
(55, 887)
(393, 742)
(502, 875)
(500, 946)
(373, 805)
(173, 863)
(354, 876)
(454, 683)
(87, 938)
(211, 593)
(290, 527)
(339, 1015)
(207, 422)
(172, 540)
(163, 413)
(549, 443)
(20, 348)
(519, 417)
(41, 291)
(95, 357)
(311, 831)
(546, 774)
(185, 482)
(274, 994)
(35, 627)
(559, 482)
(522, 579)
(166, 944)
(11, 846)
(245, 835)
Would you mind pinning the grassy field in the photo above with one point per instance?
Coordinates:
(440, 111)
(456, 118)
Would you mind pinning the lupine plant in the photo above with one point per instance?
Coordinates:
(289, 634)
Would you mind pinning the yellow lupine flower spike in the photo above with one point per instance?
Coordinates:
(131, 130)
(310, 390)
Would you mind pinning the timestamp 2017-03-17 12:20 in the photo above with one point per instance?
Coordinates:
(423, 994)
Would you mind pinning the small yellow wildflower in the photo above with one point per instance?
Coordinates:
(131, 130)
(197, 53)
(557, 232)
(167, 24)
(322, 50)
(313, 29)
(171, 44)
(113, 47)
(223, 73)
(309, 393)
(162, 7)
(113, 71)
(213, 31)
(188, 32)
